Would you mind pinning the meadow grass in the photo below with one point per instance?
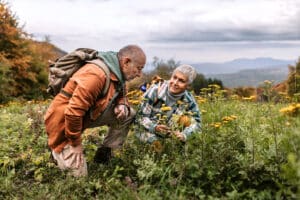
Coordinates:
(246, 150)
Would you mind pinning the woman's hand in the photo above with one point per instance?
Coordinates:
(179, 135)
(162, 129)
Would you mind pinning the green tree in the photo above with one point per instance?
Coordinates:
(23, 61)
(14, 55)
(164, 69)
(199, 82)
(293, 80)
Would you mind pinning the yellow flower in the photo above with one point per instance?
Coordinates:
(229, 118)
(134, 102)
(200, 101)
(157, 146)
(217, 124)
(233, 116)
(251, 98)
(203, 111)
(165, 108)
(179, 102)
(291, 110)
(184, 121)
(287, 123)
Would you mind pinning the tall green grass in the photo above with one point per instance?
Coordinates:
(247, 150)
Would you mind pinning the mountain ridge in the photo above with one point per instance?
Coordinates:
(236, 65)
(246, 71)
(252, 77)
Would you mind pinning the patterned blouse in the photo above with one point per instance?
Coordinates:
(158, 108)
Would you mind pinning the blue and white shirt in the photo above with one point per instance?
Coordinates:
(151, 113)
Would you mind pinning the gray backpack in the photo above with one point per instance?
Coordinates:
(64, 67)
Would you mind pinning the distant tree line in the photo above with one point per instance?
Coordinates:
(165, 68)
(293, 80)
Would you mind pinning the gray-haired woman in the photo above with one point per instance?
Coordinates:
(169, 108)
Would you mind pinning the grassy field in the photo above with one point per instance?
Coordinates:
(247, 150)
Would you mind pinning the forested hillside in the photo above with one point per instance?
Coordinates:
(23, 61)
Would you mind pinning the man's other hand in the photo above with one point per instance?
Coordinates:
(121, 112)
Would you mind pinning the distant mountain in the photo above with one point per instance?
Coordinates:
(240, 64)
(246, 72)
(252, 77)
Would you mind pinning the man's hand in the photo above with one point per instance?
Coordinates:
(75, 156)
(162, 129)
(179, 135)
(121, 112)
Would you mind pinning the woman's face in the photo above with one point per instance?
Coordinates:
(178, 83)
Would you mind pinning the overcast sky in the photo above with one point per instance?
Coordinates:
(189, 31)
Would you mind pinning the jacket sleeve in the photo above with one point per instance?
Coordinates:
(89, 84)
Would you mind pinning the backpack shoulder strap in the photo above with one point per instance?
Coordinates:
(102, 66)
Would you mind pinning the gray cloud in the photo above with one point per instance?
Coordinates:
(170, 28)
(223, 35)
(260, 32)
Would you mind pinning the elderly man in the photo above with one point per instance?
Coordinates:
(169, 109)
(69, 115)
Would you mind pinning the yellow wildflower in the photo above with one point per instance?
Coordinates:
(218, 124)
(179, 102)
(233, 116)
(291, 110)
(157, 146)
(287, 123)
(134, 102)
(251, 98)
(184, 121)
(203, 111)
(165, 108)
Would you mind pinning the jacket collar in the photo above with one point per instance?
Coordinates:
(110, 58)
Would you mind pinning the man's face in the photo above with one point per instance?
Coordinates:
(178, 83)
(132, 69)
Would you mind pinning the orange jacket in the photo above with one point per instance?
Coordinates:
(66, 117)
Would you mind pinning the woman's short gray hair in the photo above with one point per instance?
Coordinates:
(188, 71)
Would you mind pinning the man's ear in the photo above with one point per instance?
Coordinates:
(126, 60)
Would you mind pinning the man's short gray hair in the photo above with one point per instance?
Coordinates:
(188, 71)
